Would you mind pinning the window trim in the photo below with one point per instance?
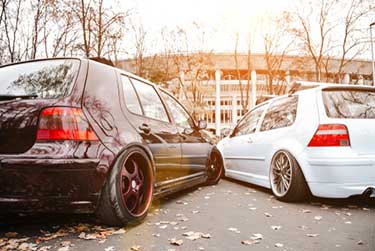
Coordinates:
(136, 94)
(140, 103)
(265, 105)
(183, 107)
(270, 104)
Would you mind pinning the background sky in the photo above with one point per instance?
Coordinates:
(220, 19)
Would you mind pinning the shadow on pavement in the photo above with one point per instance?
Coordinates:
(35, 224)
(352, 202)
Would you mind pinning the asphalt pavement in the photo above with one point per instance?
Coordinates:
(229, 216)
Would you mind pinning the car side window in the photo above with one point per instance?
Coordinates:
(131, 99)
(249, 123)
(179, 114)
(150, 101)
(281, 113)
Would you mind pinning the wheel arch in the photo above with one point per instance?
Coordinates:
(143, 147)
(291, 146)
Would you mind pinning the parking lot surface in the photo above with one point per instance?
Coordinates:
(229, 216)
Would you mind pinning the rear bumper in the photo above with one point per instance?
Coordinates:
(337, 173)
(339, 190)
(40, 185)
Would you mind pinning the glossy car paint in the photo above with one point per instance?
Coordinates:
(69, 175)
(332, 172)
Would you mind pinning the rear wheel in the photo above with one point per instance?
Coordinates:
(127, 194)
(286, 178)
(215, 168)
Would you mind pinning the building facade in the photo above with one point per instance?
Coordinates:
(237, 86)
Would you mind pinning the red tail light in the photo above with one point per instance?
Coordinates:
(64, 123)
(330, 135)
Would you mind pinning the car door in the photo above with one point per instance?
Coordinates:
(194, 148)
(276, 128)
(149, 116)
(240, 150)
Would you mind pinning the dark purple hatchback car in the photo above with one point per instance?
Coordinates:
(78, 135)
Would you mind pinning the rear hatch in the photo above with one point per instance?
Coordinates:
(25, 89)
(355, 108)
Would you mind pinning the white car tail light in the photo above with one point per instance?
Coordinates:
(330, 135)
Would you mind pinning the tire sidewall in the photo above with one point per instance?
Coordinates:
(290, 159)
(221, 172)
(115, 192)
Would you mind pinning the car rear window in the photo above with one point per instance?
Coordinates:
(46, 79)
(349, 104)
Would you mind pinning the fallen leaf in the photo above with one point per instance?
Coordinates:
(44, 248)
(276, 227)
(135, 248)
(27, 246)
(119, 231)
(312, 235)
(250, 242)
(268, 214)
(206, 236)
(176, 242)
(279, 245)
(233, 229)
(256, 237)
(63, 249)
(318, 218)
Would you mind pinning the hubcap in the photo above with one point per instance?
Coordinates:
(281, 174)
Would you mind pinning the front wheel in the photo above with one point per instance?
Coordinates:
(215, 168)
(127, 194)
(286, 178)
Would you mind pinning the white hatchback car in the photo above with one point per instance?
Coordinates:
(320, 140)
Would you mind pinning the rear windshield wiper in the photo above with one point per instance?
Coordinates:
(11, 97)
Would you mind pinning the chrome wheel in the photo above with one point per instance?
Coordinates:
(281, 174)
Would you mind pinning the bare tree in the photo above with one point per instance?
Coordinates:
(353, 39)
(313, 39)
(276, 47)
(98, 25)
(11, 20)
(139, 44)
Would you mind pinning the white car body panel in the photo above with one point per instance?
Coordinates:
(332, 172)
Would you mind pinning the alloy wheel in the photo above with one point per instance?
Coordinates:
(134, 186)
(281, 174)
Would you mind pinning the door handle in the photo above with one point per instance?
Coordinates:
(145, 128)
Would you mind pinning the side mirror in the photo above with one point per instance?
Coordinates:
(202, 124)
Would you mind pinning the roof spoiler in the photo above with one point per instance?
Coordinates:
(103, 61)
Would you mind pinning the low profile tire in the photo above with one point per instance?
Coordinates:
(127, 193)
(215, 168)
(287, 181)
